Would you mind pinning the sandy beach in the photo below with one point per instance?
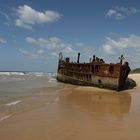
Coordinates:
(56, 111)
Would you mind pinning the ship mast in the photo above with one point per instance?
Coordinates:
(121, 59)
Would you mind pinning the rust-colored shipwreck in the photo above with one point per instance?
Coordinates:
(95, 73)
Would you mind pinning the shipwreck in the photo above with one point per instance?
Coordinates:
(94, 73)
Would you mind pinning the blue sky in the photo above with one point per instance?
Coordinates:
(33, 32)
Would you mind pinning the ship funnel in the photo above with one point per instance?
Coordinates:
(78, 59)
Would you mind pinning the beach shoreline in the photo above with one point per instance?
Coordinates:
(74, 113)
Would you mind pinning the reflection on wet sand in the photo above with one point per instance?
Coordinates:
(101, 103)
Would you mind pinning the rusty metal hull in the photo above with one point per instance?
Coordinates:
(104, 82)
(95, 73)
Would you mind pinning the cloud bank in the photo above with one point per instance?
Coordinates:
(132, 41)
(52, 45)
(120, 13)
(27, 17)
(128, 46)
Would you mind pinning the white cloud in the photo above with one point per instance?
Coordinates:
(114, 13)
(40, 51)
(111, 12)
(2, 41)
(69, 51)
(108, 49)
(132, 41)
(121, 12)
(27, 16)
(53, 45)
(129, 46)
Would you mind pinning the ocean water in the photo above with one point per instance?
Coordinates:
(21, 91)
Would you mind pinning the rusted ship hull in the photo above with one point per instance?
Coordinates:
(109, 83)
(95, 73)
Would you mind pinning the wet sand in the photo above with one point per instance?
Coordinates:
(67, 112)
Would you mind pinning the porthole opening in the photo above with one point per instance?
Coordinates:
(99, 81)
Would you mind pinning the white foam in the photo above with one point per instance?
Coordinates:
(4, 118)
(17, 73)
(12, 73)
(52, 80)
(4, 73)
(13, 103)
(28, 73)
(39, 74)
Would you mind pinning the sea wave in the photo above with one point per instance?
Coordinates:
(41, 73)
(52, 80)
(28, 73)
(38, 74)
(12, 73)
(5, 117)
(13, 103)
